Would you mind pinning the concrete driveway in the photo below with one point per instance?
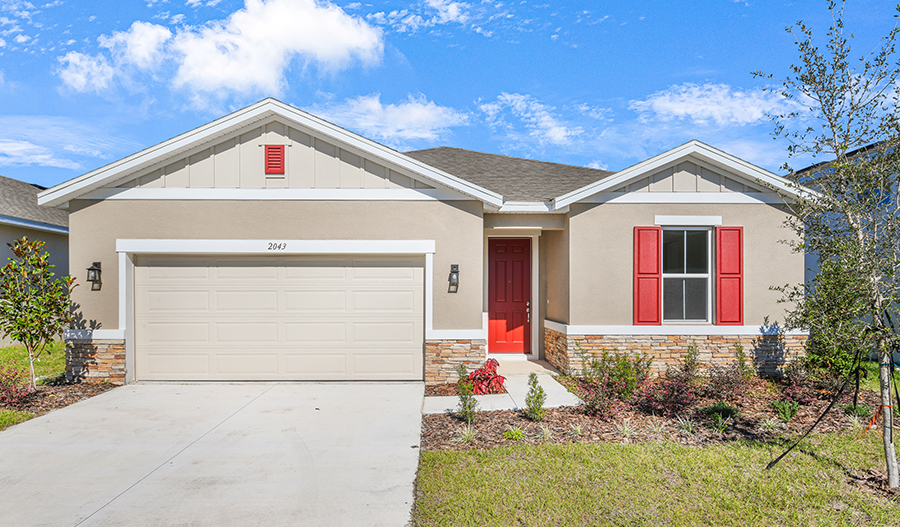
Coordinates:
(218, 454)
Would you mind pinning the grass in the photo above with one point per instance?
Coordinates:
(652, 484)
(13, 417)
(51, 365)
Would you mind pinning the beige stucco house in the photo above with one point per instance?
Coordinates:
(270, 244)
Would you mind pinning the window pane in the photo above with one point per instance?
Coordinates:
(673, 251)
(673, 298)
(695, 298)
(696, 252)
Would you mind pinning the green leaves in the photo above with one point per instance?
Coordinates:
(35, 307)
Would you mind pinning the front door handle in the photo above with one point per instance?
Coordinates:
(528, 313)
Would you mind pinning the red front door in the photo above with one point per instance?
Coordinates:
(509, 295)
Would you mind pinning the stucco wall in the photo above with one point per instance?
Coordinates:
(601, 267)
(455, 226)
(55, 244)
(555, 262)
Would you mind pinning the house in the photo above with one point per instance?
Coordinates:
(270, 244)
(21, 216)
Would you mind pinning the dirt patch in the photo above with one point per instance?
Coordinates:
(48, 398)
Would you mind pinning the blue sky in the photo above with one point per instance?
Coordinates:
(602, 84)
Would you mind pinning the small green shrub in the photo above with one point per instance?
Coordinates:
(722, 409)
(741, 364)
(686, 424)
(514, 433)
(465, 434)
(689, 368)
(575, 430)
(618, 374)
(786, 409)
(546, 433)
(534, 401)
(468, 405)
(669, 396)
(860, 410)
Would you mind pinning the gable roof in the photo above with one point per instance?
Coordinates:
(517, 179)
(701, 151)
(261, 111)
(19, 206)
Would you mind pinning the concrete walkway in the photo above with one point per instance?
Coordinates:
(516, 373)
(218, 454)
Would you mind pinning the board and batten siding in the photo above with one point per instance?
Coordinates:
(688, 177)
(238, 162)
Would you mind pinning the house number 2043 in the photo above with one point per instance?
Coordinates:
(276, 246)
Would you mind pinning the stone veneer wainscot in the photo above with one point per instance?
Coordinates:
(442, 357)
(92, 360)
(769, 353)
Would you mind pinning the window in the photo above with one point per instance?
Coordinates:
(675, 280)
(685, 275)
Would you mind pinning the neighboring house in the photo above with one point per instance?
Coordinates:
(270, 244)
(21, 216)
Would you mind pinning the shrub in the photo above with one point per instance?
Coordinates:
(722, 409)
(798, 384)
(689, 369)
(535, 399)
(786, 409)
(598, 403)
(485, 379)
(514, 433)
(727, 382)
(468, 405)
(860, 410)
(741, 364)
(12, 386)
(669, 396)
(618, 374)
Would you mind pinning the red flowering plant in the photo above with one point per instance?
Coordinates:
(485, 379)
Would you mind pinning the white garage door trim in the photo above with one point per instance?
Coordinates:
(128, 248)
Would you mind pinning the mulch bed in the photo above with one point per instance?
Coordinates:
(444, 390)
(48, 398)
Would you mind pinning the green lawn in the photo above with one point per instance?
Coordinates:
(653, 484)
(13, 417)
(51, 364)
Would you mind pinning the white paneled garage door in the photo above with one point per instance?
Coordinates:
(285, 317)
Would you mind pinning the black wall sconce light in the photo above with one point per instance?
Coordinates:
(93, 276)
(454, 277)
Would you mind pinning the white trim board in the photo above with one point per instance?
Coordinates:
(699, 330)
(688, 221)
(275, 194)
(373, 247)
(686, 197)
(34, 225)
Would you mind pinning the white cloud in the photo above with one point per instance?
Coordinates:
(449, 11)
(537, 118)
(431, 13)
(2, 42)
(416, 119)
(20, 153)
(598, 165)
(141, 45)
(84, 72)
(595, 112)
(21, 39)
(52, 141)
(250, 51)
(717, 103)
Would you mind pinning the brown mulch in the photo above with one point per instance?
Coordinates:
(631, 425)
(444, 390)
(48, 398)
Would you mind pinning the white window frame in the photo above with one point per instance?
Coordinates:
(709, 274)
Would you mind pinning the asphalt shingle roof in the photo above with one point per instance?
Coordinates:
(515, 178)
(19, 200)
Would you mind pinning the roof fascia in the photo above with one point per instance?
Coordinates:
(267, 108)
(30, 224)
(704, 152)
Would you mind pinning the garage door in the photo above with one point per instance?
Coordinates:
(279, 318)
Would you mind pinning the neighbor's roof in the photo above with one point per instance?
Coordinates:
(515, 178)
(18, 201)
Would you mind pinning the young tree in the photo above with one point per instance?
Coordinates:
(34, 307)
(846, 112)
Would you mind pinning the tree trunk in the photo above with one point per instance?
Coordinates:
(31, 364)
(887, 415)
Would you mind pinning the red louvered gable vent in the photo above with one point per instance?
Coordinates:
(274, 159)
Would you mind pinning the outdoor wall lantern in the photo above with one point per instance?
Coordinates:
(93, 276)
(454, 274)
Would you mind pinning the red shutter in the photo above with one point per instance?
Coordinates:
(730, 276)
(274, 159)
(647, 276)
